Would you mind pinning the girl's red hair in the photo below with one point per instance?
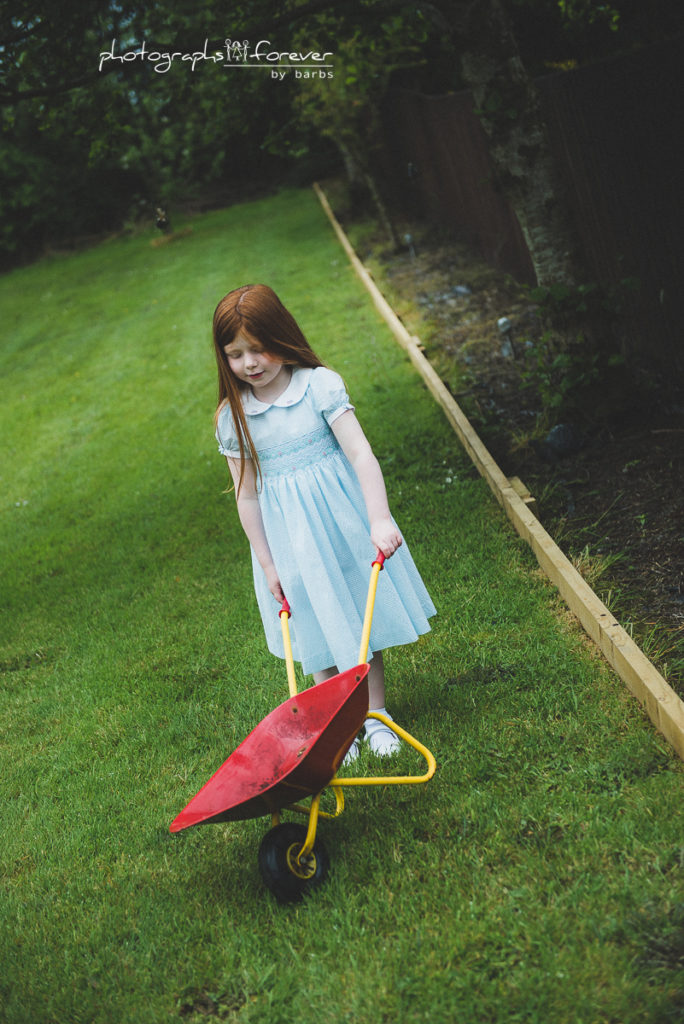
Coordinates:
(256, 310)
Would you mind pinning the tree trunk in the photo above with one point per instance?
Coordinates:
(359, 174)
(383, 212)
(351, 167)
(508, 106)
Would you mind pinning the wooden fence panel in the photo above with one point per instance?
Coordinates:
(614, 128)
(436, 161)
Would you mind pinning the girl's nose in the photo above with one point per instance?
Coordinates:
(251, 360)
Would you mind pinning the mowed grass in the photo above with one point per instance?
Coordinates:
(537, 877)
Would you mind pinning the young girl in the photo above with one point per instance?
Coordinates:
(311, 499)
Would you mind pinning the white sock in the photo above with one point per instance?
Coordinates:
(381, 739)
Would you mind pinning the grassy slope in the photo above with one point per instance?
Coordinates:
(535, 879)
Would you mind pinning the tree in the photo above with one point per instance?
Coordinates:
(50, 48)
(84, 144)
(346, 108)
(70, 128)
(507, 103)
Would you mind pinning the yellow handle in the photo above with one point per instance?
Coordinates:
(287, 644)
(370, 605)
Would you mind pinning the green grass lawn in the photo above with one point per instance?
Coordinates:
(536, 878)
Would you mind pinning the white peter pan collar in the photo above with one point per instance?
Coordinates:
(293, 393)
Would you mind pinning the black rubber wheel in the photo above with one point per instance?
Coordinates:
(287, 879)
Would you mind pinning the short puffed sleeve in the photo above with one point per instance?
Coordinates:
(329, 393)
(226, 435)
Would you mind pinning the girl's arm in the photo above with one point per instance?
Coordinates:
(253, 524)
(355, 446)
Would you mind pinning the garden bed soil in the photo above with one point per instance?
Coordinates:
(608, 480)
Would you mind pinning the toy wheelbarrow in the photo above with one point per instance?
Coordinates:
(294, 753)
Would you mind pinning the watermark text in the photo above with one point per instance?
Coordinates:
(233, 54)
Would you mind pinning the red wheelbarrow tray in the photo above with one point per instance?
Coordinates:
(292, 753)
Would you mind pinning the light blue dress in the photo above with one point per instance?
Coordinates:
(317, 528)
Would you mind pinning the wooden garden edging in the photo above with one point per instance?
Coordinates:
(663, 706)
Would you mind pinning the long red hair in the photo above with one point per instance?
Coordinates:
(254, 309)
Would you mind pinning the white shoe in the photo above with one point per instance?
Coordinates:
(352, 753)
(381, 739)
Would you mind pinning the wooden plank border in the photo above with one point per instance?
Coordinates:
(663, 706)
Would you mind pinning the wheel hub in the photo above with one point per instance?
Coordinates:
(304, 867)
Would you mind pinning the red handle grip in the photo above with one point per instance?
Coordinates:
(379, 559)
(285, 609)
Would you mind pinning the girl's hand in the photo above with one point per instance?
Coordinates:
(273, 582)
(385, 536)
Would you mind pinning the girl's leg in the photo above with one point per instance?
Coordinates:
(376, 682)
(381, 740)
(325, 673)
(320, 677)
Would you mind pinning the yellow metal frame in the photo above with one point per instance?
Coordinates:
(392, 780)
(300, 858)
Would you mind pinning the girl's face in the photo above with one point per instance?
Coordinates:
(252, 365)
